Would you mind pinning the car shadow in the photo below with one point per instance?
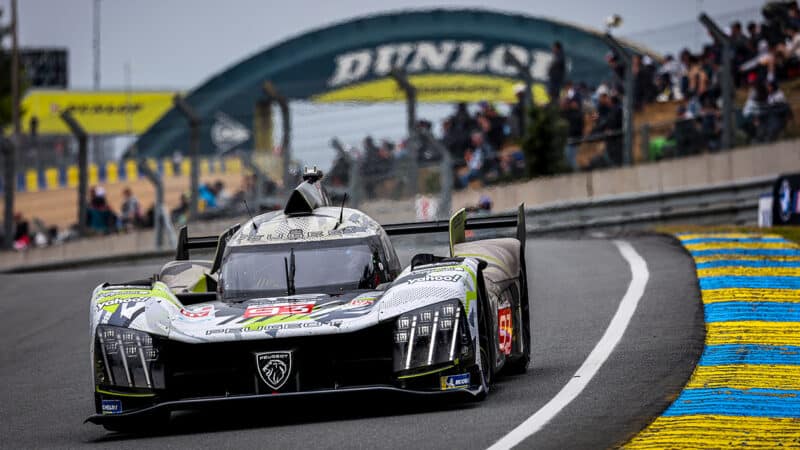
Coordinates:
(294, 411)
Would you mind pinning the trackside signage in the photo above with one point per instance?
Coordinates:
(444, 56)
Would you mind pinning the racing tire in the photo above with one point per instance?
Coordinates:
(486, 348)
(150, 424)
(519, 365)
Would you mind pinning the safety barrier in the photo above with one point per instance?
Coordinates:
(36, 180)
(745, 390)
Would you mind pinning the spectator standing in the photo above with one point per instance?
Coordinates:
(516, 120)
(130, 211)
(609, 123)
(573, 114)
(778, 111)
(476, 158)
(556, 73)
(792, 49)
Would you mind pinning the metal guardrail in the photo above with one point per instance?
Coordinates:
(731, 204)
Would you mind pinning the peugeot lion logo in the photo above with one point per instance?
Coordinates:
(274, 368)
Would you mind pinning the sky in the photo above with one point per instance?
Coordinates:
(176, 44)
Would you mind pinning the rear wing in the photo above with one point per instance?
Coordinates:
(460, 223)
(186, 243)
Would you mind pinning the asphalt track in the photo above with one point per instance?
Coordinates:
(575, 285)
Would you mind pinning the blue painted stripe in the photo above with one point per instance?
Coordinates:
(62, 176)
(738, 282)
(101, 173)
(749, 252)
(746, 263)
(41, 179)
(724, 354)
(762, 311)
(724, 239)
(736, 402)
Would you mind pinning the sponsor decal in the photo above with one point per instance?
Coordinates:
(430, 277)
(505, 330)
(785, 200)
(361, 302)
(198, 313)
(274, 368)
(272, 327)
(284, 309)
(460, 381)
(118, 301)
(111, 406)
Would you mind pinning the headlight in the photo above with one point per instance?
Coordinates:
(127, 358)
(430, 336)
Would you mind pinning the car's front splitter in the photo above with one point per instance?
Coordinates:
(200, 403)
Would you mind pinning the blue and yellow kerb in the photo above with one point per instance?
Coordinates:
(745, 390)
(46, 179)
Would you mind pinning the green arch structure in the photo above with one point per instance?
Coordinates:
(434, 46)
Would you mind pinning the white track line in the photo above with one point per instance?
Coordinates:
(596, 358)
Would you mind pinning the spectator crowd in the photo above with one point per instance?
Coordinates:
(764, 55)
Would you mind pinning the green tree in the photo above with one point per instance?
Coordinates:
(544, 141)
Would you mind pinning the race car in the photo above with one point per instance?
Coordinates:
(311, 300)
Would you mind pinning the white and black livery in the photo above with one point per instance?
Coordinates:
(311, 300)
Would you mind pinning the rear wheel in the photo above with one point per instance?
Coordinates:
(519, 364)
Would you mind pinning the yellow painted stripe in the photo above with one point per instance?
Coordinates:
(51, 178)
(72, 176)
(702, 259)
(169, 169)
(749, 271)
(233, 165)
(750, 295)
(217, 165)
(746, 376)
(753, 332)
(740, 245)
(94, 175)
(112, 172)
(716, 431)
(152, 164)
(686, 237)
(186, 167)
(31, 180)
(204, 167)
(131, 173)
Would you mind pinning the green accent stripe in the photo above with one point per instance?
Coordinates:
(425, 373)
(491, 259)
(121, 394)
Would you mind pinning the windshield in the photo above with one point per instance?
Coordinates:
(259, 270)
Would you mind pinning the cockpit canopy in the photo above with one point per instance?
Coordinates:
(328, 267)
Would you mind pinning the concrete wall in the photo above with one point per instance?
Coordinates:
(700, 170)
